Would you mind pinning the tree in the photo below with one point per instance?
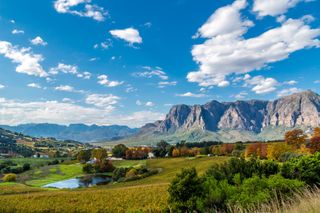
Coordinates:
(162, 149)
(275, 150)
(295, 138)
(315, 144)
(84, 156)
(119, 151)
(184, 191)
(99, 154)
(316, 132)
(176, 153)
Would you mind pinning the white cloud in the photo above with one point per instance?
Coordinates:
(289, 91)
(317, 81)
(89, 10)
(292, 82)
(16, 31)
(273, 7)
(106, 101)
(28, 63)
(151, 72)
(190, 94)
(38, 41)
(150, 104)
(103, 80)
(130, 35)
(65, 88)
(69, 69)
(15, 112)
(226, 51)
(147, 104)
(34, 85)
(241, 95)
(2, 86)
(163, 84)
(262, 85)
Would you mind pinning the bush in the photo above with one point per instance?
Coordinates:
(9, 177)
(119, 173)
(88, 168)
(184, 191)
(305, 168)
(131, 173)
(26, 167)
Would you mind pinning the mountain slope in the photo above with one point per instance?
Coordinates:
(77, 132)
(234, 121)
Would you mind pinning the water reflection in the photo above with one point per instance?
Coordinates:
(86, 181)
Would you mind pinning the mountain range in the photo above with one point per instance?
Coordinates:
(77, 132)
(214, 121)
(234, 121)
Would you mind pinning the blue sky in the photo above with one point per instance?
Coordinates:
(127, 62)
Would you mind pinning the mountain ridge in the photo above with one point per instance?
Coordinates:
(234, 121)
(77, 132)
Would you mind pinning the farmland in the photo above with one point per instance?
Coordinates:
(145, 194)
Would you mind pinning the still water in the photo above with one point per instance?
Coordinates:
(82, 182)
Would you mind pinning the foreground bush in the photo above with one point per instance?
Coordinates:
(241, 183)
(9, 177)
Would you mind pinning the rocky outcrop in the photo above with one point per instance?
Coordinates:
(300, 109)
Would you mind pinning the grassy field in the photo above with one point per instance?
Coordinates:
(49, 174)
(146, 195)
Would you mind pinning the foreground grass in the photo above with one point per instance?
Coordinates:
(145, 195)
(50, 174)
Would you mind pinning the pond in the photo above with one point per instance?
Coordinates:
(82, 182)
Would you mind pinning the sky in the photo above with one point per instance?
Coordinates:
(128, 62)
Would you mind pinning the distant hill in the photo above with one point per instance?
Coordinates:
(77, 132)
(13, 143)
(233, 121)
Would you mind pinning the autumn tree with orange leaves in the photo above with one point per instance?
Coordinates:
(295, 138)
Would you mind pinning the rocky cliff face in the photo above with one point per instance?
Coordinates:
(300, 109)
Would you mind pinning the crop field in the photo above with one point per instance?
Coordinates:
(146, 195)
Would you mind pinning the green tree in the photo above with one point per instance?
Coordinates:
(161, 149)
(119, 151)
(184, 191)
(84, 156)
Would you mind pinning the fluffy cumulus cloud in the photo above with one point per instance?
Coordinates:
(69, 69)
(38, 41)
(103, 80)
(2, 86)
(225, 50)
(274, 7)
(261, 85)
(241, 95)
(130, 35)
(89, 10)
(192, 95)
(289, 91)
(65, 88)
(105, 101)
(151, 72)
(28, 62)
